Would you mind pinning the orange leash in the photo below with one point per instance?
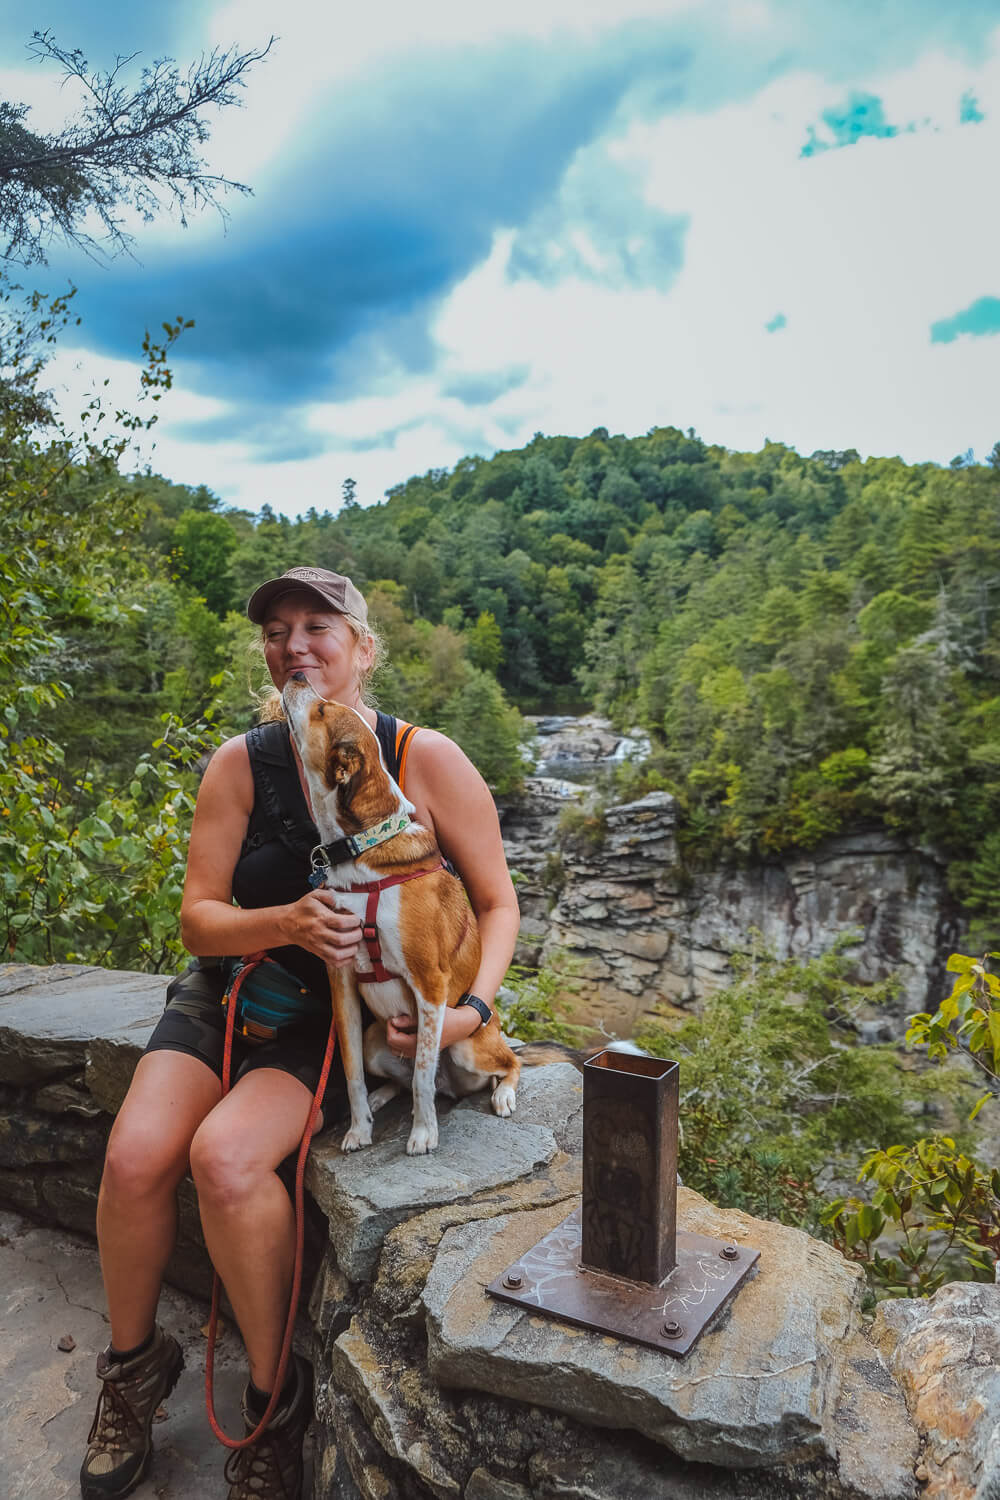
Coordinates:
(300, 1167)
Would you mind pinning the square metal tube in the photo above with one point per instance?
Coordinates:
(630, 1166)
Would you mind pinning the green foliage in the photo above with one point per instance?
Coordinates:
(938, 1209)
(932, 1211)
(970, 1015)
(772, 1089)
(528, 1005)
(490, 732)
(581, 828)
(87, 872)
(484, 643)
(92, 878)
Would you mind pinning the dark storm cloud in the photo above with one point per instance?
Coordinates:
(397, 183)
(395, 201)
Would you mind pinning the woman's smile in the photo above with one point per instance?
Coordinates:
(319, 644)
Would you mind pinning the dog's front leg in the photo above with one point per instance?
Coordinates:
(347, 1013)
(380, 1062)
(430, 1019)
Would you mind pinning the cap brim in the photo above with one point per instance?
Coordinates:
(261, 599)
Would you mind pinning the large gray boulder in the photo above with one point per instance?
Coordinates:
(945, 1353)
(761, 1388)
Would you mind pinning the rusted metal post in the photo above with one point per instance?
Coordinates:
(630, 1166)
(618, 1263)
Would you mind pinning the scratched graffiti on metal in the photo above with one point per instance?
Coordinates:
(549, 1279)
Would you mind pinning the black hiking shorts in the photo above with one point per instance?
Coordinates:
(195, 1022)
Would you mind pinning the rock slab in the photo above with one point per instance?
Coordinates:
(366, 1193)
(945, 1353)
(758, 1389)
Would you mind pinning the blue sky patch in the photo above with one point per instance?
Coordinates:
(777, 322)
(980, 319)
(862, 115)
(969, 112)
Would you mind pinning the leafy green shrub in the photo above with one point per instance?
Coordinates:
(940, 1208)
(773, 1089)
(932, 1212)
(581, 828)
(527, 1006)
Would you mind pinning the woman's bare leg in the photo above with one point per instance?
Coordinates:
(246, 1213)
(170, 1095)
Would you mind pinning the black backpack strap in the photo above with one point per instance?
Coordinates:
(385, 728)
(278, 795)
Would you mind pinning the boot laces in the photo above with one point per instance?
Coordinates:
(260, 1463)
(112, 1417)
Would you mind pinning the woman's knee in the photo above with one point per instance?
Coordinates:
(220, 1166)
(139, 1163)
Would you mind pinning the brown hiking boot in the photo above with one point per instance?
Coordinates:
(119, 1444)
(272, 1468)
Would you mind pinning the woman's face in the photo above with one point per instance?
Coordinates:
(301, 636)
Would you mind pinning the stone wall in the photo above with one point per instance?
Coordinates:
(427, 1388)
(614, 910)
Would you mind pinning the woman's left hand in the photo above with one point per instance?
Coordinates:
(401, 1033)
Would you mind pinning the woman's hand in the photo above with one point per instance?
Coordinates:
(401, 1031)
(401, 1034)
(314, 922)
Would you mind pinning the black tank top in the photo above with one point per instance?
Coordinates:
(274, 867)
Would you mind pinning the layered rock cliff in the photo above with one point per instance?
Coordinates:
(610, 905)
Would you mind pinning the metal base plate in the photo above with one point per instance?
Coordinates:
(549, 1279)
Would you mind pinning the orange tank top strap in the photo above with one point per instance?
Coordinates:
(404, 739)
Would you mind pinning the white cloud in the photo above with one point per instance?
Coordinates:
(860, 249)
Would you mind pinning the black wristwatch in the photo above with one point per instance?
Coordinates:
(477, 1004)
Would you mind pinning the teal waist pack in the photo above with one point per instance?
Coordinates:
(270, 999)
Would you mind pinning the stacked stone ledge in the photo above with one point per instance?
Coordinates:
(631, 928)
(425, 1387)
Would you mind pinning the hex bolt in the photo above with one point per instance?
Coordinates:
(513, 1280)
(729, 1252)
(671, 1330)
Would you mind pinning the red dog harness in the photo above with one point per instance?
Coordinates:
(369, 928)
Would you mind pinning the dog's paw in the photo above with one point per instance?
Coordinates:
(422, 1139)
(381, 1096)
(356, 1137)
(504, 1100)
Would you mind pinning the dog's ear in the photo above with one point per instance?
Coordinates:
(345, 762)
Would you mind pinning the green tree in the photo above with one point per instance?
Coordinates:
(87, 870)
(484, 643)
(202, 545)
(488, 729)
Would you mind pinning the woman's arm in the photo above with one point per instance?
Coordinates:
(211, 926)
(441, 779)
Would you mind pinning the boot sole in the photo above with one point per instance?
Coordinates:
(90, 1490)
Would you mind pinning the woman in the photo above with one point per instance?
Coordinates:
(316, 622)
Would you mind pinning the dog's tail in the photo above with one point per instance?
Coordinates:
(539, 1054)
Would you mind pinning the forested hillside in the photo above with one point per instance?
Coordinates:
(812, 643)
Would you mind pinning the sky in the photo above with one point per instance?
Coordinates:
(763, 219)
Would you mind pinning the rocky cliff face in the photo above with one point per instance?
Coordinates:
(613, 909)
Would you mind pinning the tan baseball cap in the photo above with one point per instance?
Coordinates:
(333, 590)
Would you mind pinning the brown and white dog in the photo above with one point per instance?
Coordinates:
(426, 930)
